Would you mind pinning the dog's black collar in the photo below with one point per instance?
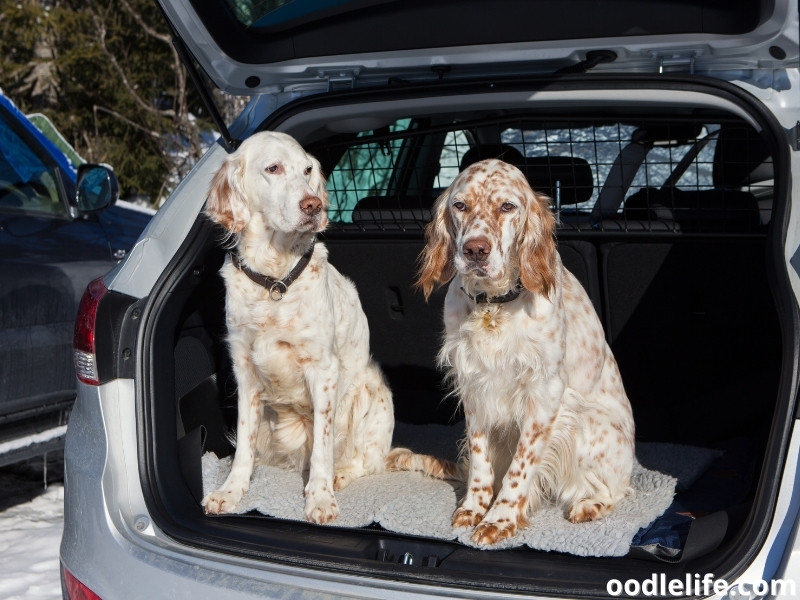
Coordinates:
(276, 287)
(482, 298)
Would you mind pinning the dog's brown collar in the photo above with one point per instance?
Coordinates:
(482, 298)
(276, 287)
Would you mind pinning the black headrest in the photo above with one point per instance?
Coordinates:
(740, 158)
(570, 179)
(504, 152)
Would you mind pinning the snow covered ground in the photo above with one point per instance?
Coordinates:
(31, 520)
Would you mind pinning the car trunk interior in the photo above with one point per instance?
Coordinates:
(683, 275)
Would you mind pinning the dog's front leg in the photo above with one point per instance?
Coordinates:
(509, 511)
(322, 381)
(225, 499)
(480, 483)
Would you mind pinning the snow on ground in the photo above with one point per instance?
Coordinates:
(31, 521)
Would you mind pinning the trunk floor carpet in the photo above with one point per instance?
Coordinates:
(410, 503)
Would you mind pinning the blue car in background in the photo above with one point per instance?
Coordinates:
(60, 227)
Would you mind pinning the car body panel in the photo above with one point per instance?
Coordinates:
(318, 52)
(137, 275)
(791, 249)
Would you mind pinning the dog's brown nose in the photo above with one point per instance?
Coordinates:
(477, 249)
(310, 205)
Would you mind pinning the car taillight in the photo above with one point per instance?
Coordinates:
(83, 345)
(72, 589)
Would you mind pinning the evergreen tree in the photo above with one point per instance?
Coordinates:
(108, 77)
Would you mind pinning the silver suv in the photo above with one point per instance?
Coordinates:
(665, 133)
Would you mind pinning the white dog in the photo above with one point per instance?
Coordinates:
(309, 394)
(546, 412)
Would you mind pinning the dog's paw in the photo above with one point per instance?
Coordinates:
(464, 517)
(321, 506)
(488, 534)
(344, 477)
(322, 510)
(588, 510)
(221, 501)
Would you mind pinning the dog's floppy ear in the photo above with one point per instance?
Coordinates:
(537, 245)
(436, 259)
(227, 203)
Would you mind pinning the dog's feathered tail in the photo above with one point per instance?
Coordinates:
(403, 459)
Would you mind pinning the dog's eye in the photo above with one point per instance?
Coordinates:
(507, 206)
(273, 168)
(308, 170)
(459, 206)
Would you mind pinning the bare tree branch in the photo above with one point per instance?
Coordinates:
(180, 108)
(144, 26)
(121, 117)
(101, 38)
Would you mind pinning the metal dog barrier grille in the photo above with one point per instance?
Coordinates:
(688, 176)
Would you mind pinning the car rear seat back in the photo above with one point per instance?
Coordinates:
(707, 211)
(691, 320)
(694, 329)
(740, 158)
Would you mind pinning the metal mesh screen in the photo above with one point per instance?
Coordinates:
(677, 175)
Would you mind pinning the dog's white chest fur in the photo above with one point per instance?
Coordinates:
(496, 358)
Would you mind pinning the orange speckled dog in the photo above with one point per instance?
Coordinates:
(546, 413)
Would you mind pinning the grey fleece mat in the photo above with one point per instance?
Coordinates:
(411, 503)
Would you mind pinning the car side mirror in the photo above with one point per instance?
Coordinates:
(97, 187)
